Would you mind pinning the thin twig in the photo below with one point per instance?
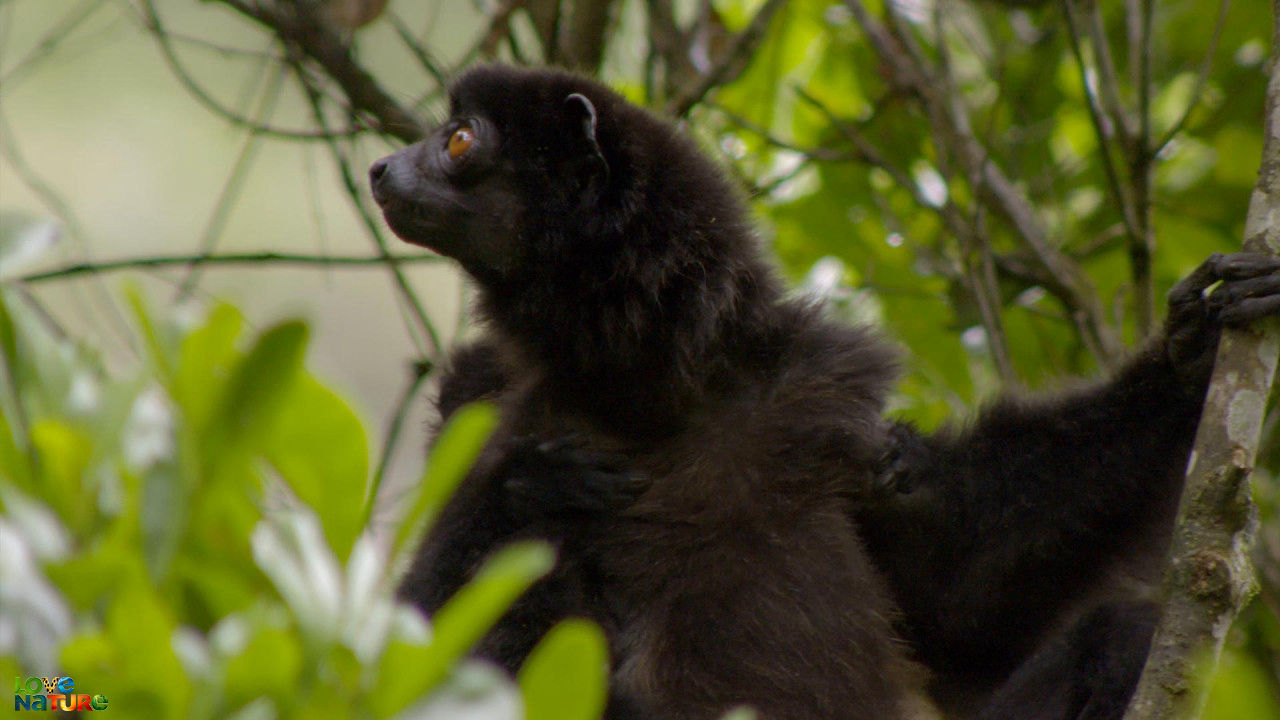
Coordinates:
(151, 19)
(1143, 245)
(420, 372)
(1202, 79)
(908, 69)
(53, 39)
(235, 180)
(730, 64)
(372, 227)
(1108, 80)
(818, 153)
(74, 228)
(418, 52)
(1100, 129)
(249, 259)
(299, 27)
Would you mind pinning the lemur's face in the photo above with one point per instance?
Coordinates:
(453, 193)
(512, 174)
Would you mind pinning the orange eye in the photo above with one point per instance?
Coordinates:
(460, 142)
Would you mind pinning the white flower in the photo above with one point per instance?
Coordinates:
(34, 618)
(354, 607)
(148, 433)
(476, 691)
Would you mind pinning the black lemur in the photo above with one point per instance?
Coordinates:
(629, 315)
(1022, 550)
(1026, 549)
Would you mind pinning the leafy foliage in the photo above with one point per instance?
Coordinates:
(187, 539)
(189, 534)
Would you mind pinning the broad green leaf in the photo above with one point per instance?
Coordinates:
(454, 453)
(268, 666)
(567, 675)
(131, 660)
(319, 448)
(255, 392)
(206, 358)
(409, 671)
(62, 453)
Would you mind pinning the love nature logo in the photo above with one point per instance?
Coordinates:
(55, 693)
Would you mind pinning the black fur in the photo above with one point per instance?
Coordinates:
(1026, 550)
(716, 430)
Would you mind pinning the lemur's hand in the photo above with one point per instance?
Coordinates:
(562, 478)
(1249, 290)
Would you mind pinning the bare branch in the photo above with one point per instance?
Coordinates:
(1202, 79)
(1108, 79)
(428, 63)
(1134, 203)
(1102, 130)
(247, 259)
(420, 372)
(234, 182)
(820, 154)
(299, 27)
(582, 44)
(730, 64)
(52, 39)
(499, 28)
(1209, 576)
(374, 230)
(164, 37)
(102, 300)
(908, 69)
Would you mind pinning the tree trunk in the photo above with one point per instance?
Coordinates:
(1209, 576)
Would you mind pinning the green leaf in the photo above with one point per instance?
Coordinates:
(63, 455)
(459, 625)
(206, 358)
(319, 448)
(132, 660)
(454, 453)
(161, 355)
(14, 464)
(269, 665)
(567, 675)
(255, 393)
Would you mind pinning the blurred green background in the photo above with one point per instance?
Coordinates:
(187, 477)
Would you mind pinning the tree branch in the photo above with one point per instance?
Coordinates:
(730, 64)
(1209, 576)
(299, 27)
(151, 20)
(260, 258)
(908, 69)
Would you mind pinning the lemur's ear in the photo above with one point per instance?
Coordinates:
(580, 116)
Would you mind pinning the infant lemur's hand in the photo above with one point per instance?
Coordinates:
(897, 468)
(1249, 290)
(562, 479)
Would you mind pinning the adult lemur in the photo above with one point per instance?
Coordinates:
(710, 457)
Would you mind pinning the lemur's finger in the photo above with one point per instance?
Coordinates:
(1241, 266)
(1234, 290)
(1250, 309)
(1191, 288)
